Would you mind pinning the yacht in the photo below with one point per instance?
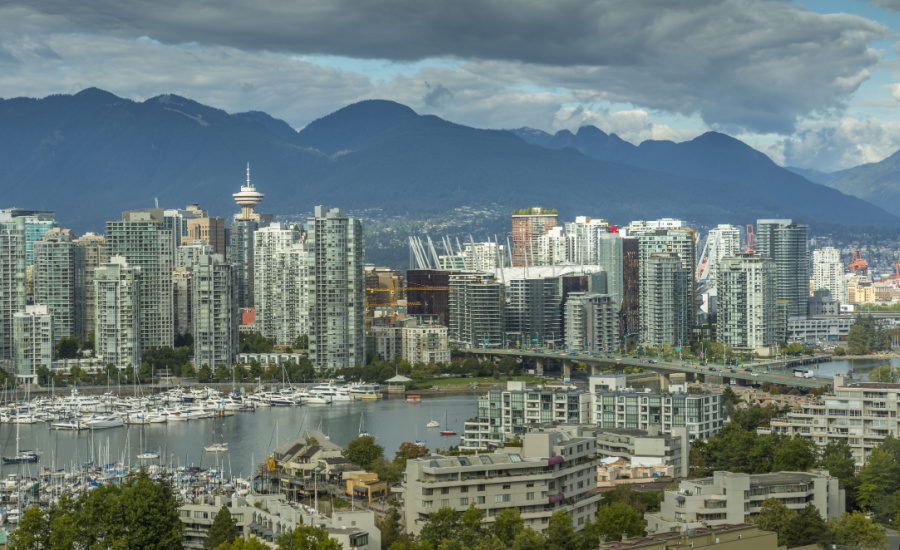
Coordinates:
(103, 421)
(336, 393)
(280, 399)
(22, 456)
(73, 424)
(366, 391)
(217, 448)
(148, 455)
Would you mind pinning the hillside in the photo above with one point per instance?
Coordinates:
(877, 182)
(91, 155)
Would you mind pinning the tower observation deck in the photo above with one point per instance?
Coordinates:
(248, 198)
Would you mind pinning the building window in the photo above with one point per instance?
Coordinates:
(529, 496)
(479, 500)
(501, 498)
(445, 503)
(464, 501)
(426, 504)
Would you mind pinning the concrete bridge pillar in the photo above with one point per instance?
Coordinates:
(663, 381)
(539, 366)
(567, 368)
(595, 369)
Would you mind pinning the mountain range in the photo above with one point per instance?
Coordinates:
(90, 155)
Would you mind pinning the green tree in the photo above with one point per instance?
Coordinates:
(408, 451)
(43, 374)
(528, 539)
(775, 516)
(254, 342)
(149, 512)
(222, 373)
(807, 527)
(441, 525)
(301, 342)
(240, 544)
(67, 347)
(878, 479)
(837, 458)
(795, 454)
(616, 518)
(306, 537)
(471, 526)
(204, 374)
(33, 532)
(560, 534)
(363, 451)
(507, 525)
(854, 529)
(223, 529)
(390, 527)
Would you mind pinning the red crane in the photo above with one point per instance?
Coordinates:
(751, 239)
(858, 265)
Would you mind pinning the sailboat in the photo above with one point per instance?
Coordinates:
(362, 426)
(434, 423)
(217, 447)
(146, 455)
(22, 455)
(447, 430)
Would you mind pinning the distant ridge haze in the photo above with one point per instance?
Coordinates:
(90, 155)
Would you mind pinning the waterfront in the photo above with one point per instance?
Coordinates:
(250, 435)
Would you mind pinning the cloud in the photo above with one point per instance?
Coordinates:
(758, 65)
(832, 146)
(436, 94)
(893, 5)
(632, 125)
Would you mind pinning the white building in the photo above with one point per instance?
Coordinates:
(271, 285)
(425, 343)
(214, 312)
(724, 240)
(117, 313)
(746, 303)
(33, 336)
(828, 272)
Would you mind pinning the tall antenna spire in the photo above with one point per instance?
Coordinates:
(248, 174)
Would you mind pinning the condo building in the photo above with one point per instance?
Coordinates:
(117, 321)
(214, 312)
(33, 335)
(59, 282)
(746, 303)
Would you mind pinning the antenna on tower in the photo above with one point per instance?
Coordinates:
(156, 200)
(248, 174)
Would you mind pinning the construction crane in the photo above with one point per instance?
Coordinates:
(897, 267)
(858, 265)
(751, 239)
(372, 304)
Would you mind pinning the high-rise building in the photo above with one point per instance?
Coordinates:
(592, 322)
(215, 312)
(272, 285)
(476, 310)
(240, 255)
(139, 237)
(33, 335)
(555, 247)
(533, 310)
(585, 233)
(828, 272)
(428, 293)
(117, 330)
(629, 314)
(240, 240)
(187, 254)
(37, 223)
(746, 302)
(337, 290)
(181, 300)
(12, 282)
(722, 241)
(59, 282)
(211, 230)
(527, 226)
(95, 255)
(483, 256)
(667, 300)
(176, 221)
(610, 257)
(293, 268)
(785, 242)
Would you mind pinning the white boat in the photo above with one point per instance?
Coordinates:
(217, 448)
(13, 517)
(316, 399)
(148, 455)
(73, 424)
(362, 426)
(104, 421)
(336, 393)
(433, 424)
(136, 418)
(366, 391)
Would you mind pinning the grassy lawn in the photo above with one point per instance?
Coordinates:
(481, 380)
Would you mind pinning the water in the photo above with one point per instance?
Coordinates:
(861, 367)
(251, 436)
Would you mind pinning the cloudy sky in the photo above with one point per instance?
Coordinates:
(815, 85)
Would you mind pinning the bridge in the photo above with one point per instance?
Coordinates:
(763, 371)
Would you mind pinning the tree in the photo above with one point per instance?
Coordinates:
(222, 373)
(67, 347)
(33, 532)
(837, 458)
(616, 518)
(306, 537)
(409, 451)
(560, 534)
(388, 471)
(240, 544)
(807, 527)
(854, 529)
(795, 454)
(878, 479)
(363, 451)
(223, 529)
(507, 525)
(391, 530)
(149, 512)
(529, 539)
(204, 374)
(441, 525)
(43, 374)
(471, 526)
(301, 342)
(775, 516)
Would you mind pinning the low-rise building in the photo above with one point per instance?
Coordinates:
(551, 472)
(701, 413)
(731, 498)
(425, 342)
(815, 330)
(503, 414)
(270, 358)
(860, 413)
(645, 447)
(365, 486)
(746, 536)
(618, 471)
(267, 517)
